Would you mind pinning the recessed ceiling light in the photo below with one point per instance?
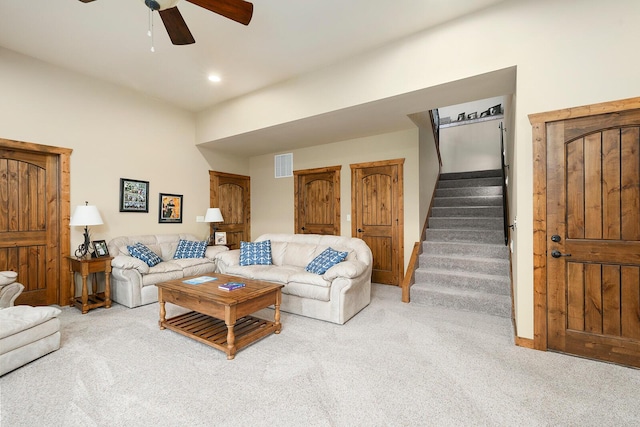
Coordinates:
(214, 78)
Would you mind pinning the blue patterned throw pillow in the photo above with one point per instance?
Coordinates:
(190, 249)
(145, 254)
(255, 253)
(327, 259)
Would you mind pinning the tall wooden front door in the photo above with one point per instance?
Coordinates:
(593, 236)
(317, 201)
(231, 193)
(33, 240)
(378, 216)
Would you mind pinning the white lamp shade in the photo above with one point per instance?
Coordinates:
(213, 215)
(86, 215)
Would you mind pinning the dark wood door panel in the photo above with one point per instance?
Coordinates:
(593, 266)
(29, 223)
(377, 206)
(232, 194)
(317, 201)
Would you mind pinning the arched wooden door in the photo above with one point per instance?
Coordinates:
(232, 194)
(592, 239)
(377, 207)
(317, 201)
(34, 219)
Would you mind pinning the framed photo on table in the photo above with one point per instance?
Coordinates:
(134, 195)
(170, 209)
(220, 238)
(100, 248)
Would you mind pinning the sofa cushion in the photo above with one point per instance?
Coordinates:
(255, 253)
(145, 254)
(190, 249)
(327, 259)
(165, 267)
(304, 290)
(301, 254)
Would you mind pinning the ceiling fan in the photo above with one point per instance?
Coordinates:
(237, 10)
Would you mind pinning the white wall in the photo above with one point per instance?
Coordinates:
(470, 147)
(114, 133)
(567, 53)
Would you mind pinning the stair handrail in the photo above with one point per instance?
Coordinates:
(505, 212)
(434, 115)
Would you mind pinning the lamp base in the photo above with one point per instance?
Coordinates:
(83, 250)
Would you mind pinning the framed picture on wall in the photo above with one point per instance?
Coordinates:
(134, 195)
(170, 209)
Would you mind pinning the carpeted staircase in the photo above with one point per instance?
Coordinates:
(465, 263)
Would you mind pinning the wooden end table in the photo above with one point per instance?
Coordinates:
(86, 266)
(220, 318)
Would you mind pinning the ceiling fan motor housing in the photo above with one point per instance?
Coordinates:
(160, 4)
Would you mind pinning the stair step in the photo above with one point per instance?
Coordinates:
(468, 211)
(467, 201)
(468, 236)
(466, 223)
(471, 174)
(469, 191)
(489, 283)
(480, 250)
(493, 266)
(475, 182)
(461, 299)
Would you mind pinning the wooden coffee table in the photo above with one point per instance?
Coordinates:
(220, 318)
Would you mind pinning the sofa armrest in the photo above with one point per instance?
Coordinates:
(125, 262)
(228, 258)
(213, 251)
(347, 269)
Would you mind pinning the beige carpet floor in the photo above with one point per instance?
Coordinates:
(393, 364)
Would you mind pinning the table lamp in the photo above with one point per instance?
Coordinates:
(213, 215)
(84, 216)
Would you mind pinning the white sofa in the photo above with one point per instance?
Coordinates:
(335, 296)
(133, 281)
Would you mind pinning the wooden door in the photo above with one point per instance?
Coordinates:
(231, 193)
(592, 246)
(33, 206)
(317, 201)
(378, 216)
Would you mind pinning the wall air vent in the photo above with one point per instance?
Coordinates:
(284, 165)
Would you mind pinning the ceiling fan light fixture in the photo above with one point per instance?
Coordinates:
(160, 4)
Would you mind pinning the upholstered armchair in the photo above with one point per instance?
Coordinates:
(9, 288)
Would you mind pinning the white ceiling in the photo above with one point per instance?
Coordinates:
(107, 39)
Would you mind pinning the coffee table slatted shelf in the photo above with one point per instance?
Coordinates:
(213, 332)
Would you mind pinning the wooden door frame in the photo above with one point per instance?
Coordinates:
(63, 234)
(539, 129)
(400, 224)
(336, 193)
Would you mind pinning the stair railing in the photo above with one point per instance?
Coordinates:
(505, 212)
(435, 124)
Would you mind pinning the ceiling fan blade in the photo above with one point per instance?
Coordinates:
(176, 27)
(238, 10)
(86, 1)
